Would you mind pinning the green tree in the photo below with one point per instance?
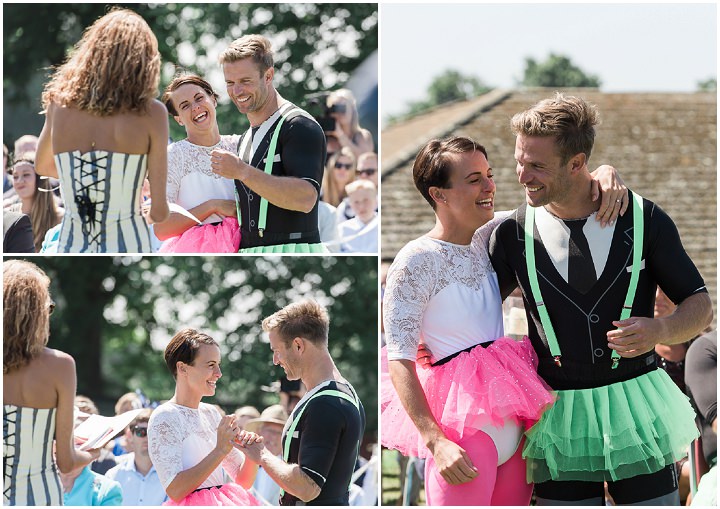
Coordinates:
(449, 86)
(317, 46)
(116, 314)
(557, 71)
(708, 85)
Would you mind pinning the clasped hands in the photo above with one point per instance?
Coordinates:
(230, 435)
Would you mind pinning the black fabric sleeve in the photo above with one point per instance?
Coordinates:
(668, 263)
(498, 257)
(701, 374)
(322, 428)
(303, 150)
(19, 236)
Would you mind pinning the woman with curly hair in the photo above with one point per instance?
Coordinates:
(103, 133)
(36, 200)
(38, 393)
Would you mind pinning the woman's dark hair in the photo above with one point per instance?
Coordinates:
(434, 161)
(183, 347)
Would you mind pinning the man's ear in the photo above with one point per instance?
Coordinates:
(269, 75)
(577, 162)
(298, 344)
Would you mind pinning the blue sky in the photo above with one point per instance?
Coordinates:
(630, 47)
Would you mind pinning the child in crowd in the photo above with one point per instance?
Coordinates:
(360, 234)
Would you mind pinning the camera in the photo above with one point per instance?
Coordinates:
(316, 104)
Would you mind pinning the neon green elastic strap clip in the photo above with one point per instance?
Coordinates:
(291, 430)
(262, 216)
(638, 230)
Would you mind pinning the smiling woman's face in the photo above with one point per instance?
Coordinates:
(196, 109)
(24, 179)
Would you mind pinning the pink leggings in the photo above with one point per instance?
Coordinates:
(494, 485)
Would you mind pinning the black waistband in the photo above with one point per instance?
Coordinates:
(453, 355)
(329, 502)
(576, 375)
(207, 488)
(253, 239)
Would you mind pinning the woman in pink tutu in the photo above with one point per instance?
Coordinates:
(190, 443)
(192, 185)
(467, 413)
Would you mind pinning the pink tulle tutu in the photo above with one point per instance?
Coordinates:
(206, 238)
(227, 494)
(476, 388)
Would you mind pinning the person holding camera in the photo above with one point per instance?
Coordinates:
(280, 160)
(341, 106)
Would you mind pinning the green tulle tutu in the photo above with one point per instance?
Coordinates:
(610, 433)
(287, 248)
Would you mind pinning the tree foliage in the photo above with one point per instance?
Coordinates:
(708, 85)
(116, 314)
(557, 71)
(449, 86)
(317, 46)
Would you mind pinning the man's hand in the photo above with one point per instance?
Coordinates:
(253, 449)
(228, 165)
(452, 461)
(635, 336)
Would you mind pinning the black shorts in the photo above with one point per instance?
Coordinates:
(626, 491)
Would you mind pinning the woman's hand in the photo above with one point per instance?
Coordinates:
(225, 208)
(608, 185)
(226, 432)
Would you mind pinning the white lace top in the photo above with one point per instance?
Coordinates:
(190, 177)
(180, 437)
(444, 295)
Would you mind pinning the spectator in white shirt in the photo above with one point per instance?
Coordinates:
(360, 234)
(137, 476)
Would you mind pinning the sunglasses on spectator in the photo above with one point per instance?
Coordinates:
(139, 432)
(368, 171)
(341, 166)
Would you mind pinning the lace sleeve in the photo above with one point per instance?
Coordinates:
(174, 174)
(165, 445)
(409, 286)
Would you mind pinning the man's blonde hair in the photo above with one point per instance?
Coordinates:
(306, 319)
(570, 120)
(256, 47)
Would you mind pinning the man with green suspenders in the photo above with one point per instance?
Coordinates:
(589, 295)
(280, 161)
(322, 436)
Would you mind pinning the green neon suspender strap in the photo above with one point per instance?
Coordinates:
(262, 216)
(293, 425)
(638, 228)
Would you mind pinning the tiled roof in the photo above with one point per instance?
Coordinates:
(664, 145)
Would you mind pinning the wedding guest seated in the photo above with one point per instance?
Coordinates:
(82, 486)
(136, 473)
(360, 234)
